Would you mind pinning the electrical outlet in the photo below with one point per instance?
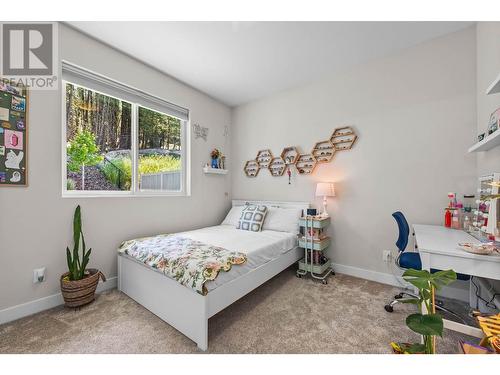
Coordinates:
(386, 256)
(38, 275)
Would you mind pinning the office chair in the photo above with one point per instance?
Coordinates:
(406, 260)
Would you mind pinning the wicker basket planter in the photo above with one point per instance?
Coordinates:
(80, 292)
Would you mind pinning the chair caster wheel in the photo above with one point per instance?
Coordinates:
(324, 281)
(398, 296)
(389, 308)
(299, 276)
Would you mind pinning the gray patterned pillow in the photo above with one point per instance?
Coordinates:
(252, 218)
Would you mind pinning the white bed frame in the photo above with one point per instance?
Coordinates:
(183, 308)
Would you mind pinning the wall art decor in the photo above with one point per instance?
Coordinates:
(323, 151)
(13, 135)
(277, 167)
(264, 158)
(251, 168)
(290, 155)
(200, 132)
(342, 139)
(306, 163)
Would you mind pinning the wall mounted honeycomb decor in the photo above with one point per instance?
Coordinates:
(343, 138)
(251, 168)
(290, 155)
(264, 157)
(277, 167)
(306, 163)
(323, 151)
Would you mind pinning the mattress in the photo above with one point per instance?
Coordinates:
(260, 248)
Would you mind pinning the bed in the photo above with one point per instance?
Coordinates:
(268, 254)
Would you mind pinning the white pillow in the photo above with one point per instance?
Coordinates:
(282, 219)
(233, 216)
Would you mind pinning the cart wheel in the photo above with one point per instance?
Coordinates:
(398, 296)
(388, 308)
(324, 281)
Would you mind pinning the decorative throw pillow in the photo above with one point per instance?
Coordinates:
(252, 218)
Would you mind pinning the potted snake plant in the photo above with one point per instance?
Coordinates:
(430, 324)
(78, 285)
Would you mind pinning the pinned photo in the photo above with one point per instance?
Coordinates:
(4, 114)
(3, 177)
(2, 150)
(20, 124)
(13, 139)
(6, 124)
(18, 104)
(16, 177)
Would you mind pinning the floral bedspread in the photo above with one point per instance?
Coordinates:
(190, 262)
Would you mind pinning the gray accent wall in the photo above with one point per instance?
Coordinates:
(35, 222)
(415, 114)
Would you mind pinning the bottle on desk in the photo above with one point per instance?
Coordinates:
(455, 219)
(447, 218)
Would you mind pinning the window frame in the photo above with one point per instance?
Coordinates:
(134, 191)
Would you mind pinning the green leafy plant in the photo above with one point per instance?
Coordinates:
(70, 184)
(83, 151)
(77, 264)
(429, 324)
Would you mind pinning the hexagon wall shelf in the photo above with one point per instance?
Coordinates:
(277, 167)
(306, 163)
(251, 168)
(290, 155)
(264, 157)
(343, 138)
(323, 151)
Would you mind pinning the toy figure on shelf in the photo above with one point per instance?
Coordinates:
(215, 158)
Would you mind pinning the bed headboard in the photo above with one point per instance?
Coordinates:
(283, 204)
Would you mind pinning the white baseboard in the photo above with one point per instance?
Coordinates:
(29, 308)
(459, 290)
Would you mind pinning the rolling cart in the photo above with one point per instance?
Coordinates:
(314, 242)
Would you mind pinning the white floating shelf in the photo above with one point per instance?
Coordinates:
(494, 87)
(210, 170)
(489, 142)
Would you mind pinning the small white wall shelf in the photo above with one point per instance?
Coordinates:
(210, 170)
(494, 87)
(489, 142)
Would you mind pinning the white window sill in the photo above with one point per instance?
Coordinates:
(117, 194)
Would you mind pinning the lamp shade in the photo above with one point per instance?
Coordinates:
(325, 189)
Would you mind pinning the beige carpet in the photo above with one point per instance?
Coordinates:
(285, 315)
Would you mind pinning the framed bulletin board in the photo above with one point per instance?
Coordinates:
(13, 135)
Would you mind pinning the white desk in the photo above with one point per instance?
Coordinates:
(438, 248)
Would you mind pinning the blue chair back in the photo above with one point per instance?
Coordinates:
(404, 230)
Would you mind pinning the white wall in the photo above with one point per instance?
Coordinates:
(415, 116)
(488, 68)
(35, 222)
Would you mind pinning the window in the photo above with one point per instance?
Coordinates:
(120, 141)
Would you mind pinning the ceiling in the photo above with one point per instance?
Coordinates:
(237, 62)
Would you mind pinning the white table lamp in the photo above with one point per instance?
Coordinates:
(325, 189)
